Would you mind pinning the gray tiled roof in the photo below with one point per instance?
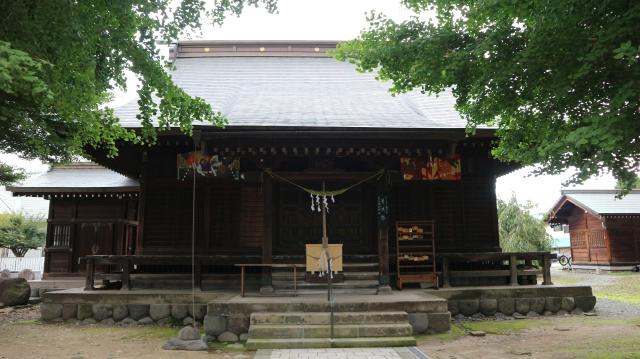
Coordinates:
(303, 92)
(76, 177)
(605, 201)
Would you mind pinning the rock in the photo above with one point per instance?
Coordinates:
(532, 314)
(14, 291)
(120, 312)
(439, 322)
(522, 305)
(590, 314)
(477, 333)
(5, 273)
(159, 311)
(236, 346)
(488, 306)
(547, 313)
(179, 311)
(126, 322)
(537, 304)
(89, 321)
(586, 303)
(460, 317)
(478, 316)
(27, 274)
(500, 316)
(419, 322)
(50, 311)
(562, 312)
(227, 337)
(517, 315)
(577, 311)
(214, 325)
(243, 337)
(102, 311)
(198, 312)
(179, 344)
(453, 307)
(553, 304)
(108, 322)
(189, 333)
(145, 321)
(568, 303)
(187, 321)
(506, 306)
(34, 292)
(138, 311)
(69, 311)
(84, 311)
(469, 307)
(208, 338)
(238, 324)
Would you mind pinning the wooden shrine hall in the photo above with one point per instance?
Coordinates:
(406, 195)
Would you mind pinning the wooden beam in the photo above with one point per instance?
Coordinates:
(267, 244)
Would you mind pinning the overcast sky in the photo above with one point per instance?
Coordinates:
(341, 20)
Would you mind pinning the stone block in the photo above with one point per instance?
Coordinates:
(567, 304)
(586, 303)
(506, 306)
(227, 337)
(188, 321)
(50, 311)
(553, 304)
(126, 322)
(214, 325)
(89, 321)
(238, 324)
(469, 306)
(138, 311)
(145, 321)
(189, 333)
(69, 311)
(159, 311)
(85, 311)
(102, 311)
(488, 306)
(198, 311)
(439, 322)
(419, 322)
(190, 345)
(179, 311)
(243, 337)
(536, 304)
(120, 312)
(108, 322)
(522, 305)
(452, 304)
(14, 291)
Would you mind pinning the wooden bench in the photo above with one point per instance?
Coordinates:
(512, 257)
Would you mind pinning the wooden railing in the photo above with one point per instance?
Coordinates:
(513, 272)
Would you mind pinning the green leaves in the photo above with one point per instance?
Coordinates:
(520, 231)
(560, 80)
(59, 61)
(20, 233)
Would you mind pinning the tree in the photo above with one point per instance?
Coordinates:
(635, 185)
(519, 230)
(59, 61)
(20, 233)
(559, 79)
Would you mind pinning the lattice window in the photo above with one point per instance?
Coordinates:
(61, 236)
(578, 240)
(596, 239)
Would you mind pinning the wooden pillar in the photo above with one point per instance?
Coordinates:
(267, 243)
(141, 204)
(513, 269)
(383, 236)
(445, 272)
(90, 269)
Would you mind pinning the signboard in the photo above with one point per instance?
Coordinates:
(433, 169)
(206, 165)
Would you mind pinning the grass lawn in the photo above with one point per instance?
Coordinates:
(625, 289)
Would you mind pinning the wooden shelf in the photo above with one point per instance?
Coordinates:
(422, 270)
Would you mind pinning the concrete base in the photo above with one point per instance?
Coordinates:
(606, 268)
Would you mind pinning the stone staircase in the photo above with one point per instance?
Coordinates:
(359, 278)
(313, 330)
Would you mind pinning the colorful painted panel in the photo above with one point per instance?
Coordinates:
(206, 165)
(433, 169)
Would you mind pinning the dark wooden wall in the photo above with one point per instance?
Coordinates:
(80, 226)
(624, 239)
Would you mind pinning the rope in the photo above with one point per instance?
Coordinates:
(376, 175)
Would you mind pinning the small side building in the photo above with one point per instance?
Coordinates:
(604, 230)
(92, 210)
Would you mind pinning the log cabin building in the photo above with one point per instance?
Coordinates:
(604, 231)
(298, 119)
